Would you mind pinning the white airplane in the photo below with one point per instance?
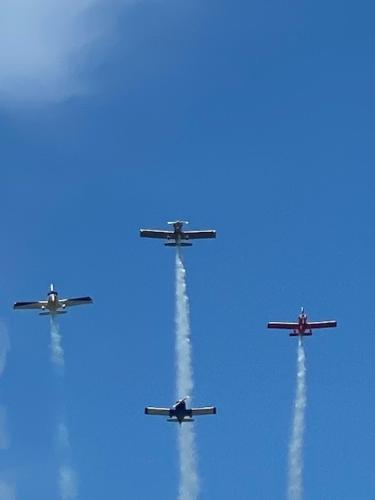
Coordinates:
(53, 305)
(179, 413)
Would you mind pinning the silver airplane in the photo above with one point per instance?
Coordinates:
(178, 413)
(177, 237)
(53, 305)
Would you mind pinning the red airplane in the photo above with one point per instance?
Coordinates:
(303, 326)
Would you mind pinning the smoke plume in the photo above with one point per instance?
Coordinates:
(67, 476)
(57, 351)
(67, 480)
(189, 483)
(295, 488)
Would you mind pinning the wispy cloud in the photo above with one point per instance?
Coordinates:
(45, 46)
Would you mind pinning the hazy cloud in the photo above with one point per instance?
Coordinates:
(45, 46)
(7, 491)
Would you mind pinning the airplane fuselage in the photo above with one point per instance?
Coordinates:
(53, 303)
(303, 327)
(180, 412)
(302, 323)
(178, 233)
(178, 238)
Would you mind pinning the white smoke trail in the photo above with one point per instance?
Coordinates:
(67, 480)
(67, 475)
(295, 489)
(189, 483)
(57, 351)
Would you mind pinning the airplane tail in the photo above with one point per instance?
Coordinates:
(48, 313)
(306, 334)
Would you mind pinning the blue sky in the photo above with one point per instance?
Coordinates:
(254, 119)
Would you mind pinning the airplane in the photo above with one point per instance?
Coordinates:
(177, 237)
(53, 305)
(179, 413)
(303, 327)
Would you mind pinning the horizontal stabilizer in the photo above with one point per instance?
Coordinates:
(305, 334)
(175, 420)
(49, 313)
(182, 244)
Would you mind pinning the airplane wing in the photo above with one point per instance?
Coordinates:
(78, 301)
(151, 410)
(30, 305)
(154, 233)
(321, 324)
(282, 325)
(207, 410)
(193, 235)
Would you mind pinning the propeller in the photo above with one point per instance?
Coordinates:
(179, 222)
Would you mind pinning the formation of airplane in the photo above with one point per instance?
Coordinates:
(302, 327)
(177, 237)
(53, 305)
(178, 413)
